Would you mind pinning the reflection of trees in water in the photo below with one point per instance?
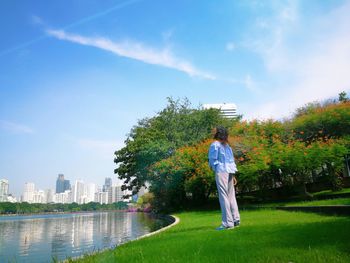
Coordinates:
(153, 222)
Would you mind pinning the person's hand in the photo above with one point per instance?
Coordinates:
(234, 181)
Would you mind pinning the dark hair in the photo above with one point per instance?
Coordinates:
(221, 134)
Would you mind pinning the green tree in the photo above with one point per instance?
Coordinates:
(332, 120)
(157, 138)
(343, 97)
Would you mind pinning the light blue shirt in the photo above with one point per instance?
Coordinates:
(221, 158)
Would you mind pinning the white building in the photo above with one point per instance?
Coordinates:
(78, 192)
(101, 197)
(4, 190)
(11, 199)
(39, 197)
(110, 192)
(90, 191)
(228, 110)
(63, 198)
(49, 196)
(28, 193)
(117, 194)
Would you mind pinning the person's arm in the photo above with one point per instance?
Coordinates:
(232, 161)
(213, 156)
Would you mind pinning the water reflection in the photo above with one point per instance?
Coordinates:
(47, 237)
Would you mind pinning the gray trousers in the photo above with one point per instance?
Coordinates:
(227, 198)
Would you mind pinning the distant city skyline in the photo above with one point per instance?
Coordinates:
(75, 76)
(81, 192)
(30, 187)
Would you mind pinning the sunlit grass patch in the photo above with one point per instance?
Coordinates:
(264, 236)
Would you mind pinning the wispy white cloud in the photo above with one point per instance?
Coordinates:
(270, 35)
(315, 70)
(134, 50)
(15, 127)
(39, 21)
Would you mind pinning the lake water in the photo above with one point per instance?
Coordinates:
(43, 238)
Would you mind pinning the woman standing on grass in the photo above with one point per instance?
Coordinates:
(222, 162)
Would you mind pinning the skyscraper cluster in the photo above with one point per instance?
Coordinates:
(32, 195)
(65, 193)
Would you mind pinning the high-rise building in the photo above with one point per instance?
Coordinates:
(90, 191)
(28, 193)
(39, 197)
(110, 192)
(101, 197)
(228, 110)
(67, 185)
(117, 194)
(4, 190)
(49, 196)
(107, 185)
(78, 192)
(62, 184)
(63, 198)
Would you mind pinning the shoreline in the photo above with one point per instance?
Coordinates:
(67, 212)
(176, 220)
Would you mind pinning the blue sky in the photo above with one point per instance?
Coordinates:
(75, 76)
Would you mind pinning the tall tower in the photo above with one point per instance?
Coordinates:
(28, 193)
(78, 191)
(67, 185)
(62, 184)
(4, 190)
(107, 185)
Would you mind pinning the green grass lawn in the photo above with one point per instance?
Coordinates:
(335, 201)
(264, 236)
(330, 192)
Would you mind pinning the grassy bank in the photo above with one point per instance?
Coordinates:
(333, 201)
(264, 236)
(330, 192)
(336, 201)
